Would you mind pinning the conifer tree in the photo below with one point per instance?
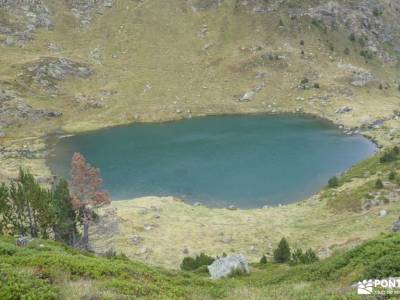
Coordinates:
(282, 253)
(65, 218)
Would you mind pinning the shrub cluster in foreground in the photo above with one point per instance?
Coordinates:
(40, 271)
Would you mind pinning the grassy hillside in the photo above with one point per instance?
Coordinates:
(47, 270)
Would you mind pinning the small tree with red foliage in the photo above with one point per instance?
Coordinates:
(86, 193)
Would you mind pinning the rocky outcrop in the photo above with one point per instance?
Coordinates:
(83, 9)
(14, 110)
(48, 72)
(359, 77)
(228, 266)
(368, 21)
(22, 19)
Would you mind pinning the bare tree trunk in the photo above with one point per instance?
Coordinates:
(85, 237)
(86, 220)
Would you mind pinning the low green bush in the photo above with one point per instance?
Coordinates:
(263, 260)
(16, 285)
(192, 263)
(390, 155)
(378, 184)
(333, 182)
(384, 267)
(300, 257)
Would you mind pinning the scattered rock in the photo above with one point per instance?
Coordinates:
(248, 96)
(22, 241)
(155, 208)
(53, 47)
(204, 31)
(232, 207)
(148, 227)
(108, 3)
(227, 266)
(136, 239)
(396, 226)
(344, 109)
(383, 213)
(226, 239)
(96, 55)
(83, 9)
(361, 78)
(208, 46)
(203, 5)
(261, 75)
(85, 102)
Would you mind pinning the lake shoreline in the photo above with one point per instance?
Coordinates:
(53, 139)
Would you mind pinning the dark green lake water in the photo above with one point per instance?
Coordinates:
(247, 161)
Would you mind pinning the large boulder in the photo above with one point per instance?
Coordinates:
(227, 266)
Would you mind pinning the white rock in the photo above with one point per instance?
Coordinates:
(226, 266)
(383, 213)
(248, 96)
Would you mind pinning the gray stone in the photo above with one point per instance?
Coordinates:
(227, 266)
(108, 3)
(396, 226)
(22, 241)
(203, 5)
(148, 227)
(344, 109)
(226, 239)
(383, 213)
(232, 207)
(248, 96)
(136, 239)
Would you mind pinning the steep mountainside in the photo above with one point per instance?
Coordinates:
(78, 65)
